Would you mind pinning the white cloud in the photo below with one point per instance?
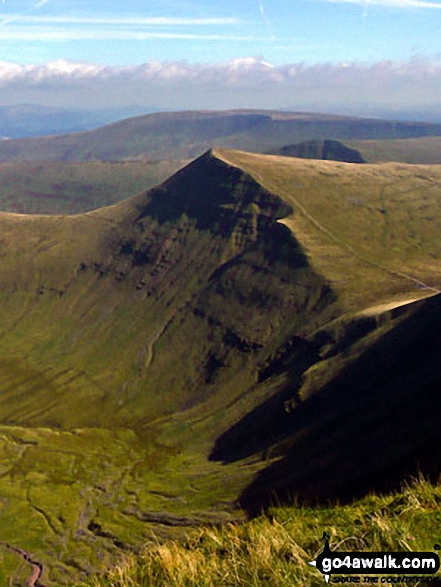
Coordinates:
(50, 29)
(244, 82)
(265, 18)
(249, 63)
(47, 35)
(121, 21)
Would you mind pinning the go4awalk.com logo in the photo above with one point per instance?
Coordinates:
(330, 562)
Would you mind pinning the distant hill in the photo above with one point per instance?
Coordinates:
(188, 134)
(326, 150)
(254, 327)
(30, 120)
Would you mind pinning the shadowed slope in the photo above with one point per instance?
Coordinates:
(327, 150)
(373, 425)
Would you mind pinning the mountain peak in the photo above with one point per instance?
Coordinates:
(218, 196)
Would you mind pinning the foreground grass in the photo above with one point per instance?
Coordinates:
(275, 550)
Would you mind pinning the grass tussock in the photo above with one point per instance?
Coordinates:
(275, 551)
(262, 552)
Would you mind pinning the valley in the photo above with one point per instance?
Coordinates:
(256, 327)
(62, 188)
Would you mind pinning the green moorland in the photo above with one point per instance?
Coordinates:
(382, 221)
(72, 188)
(183, 135)
(174, 359)
(418, 151)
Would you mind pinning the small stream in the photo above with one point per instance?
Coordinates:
(36, 570)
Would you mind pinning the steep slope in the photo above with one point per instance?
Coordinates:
(158, 354)
(364, 414)
(373, 424)
(145, 276)
(327, 150)
(178, 135)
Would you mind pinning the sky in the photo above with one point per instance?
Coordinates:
(316, 55)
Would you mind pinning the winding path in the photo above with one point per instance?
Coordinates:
(37, 568)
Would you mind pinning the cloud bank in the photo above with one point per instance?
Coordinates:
(248, 82)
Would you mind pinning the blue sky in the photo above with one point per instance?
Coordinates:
(282, 31)
(65, 43)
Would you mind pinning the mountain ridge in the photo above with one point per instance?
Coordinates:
(169, 353)
(188, 134)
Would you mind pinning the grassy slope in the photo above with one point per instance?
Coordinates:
(200, 259)
(380, 221)
(187, 134)
(424, 151)
(63, 188)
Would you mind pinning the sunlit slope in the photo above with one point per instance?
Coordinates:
(372, 230)
(424, 150)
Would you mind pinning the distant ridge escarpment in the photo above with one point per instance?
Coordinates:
(177, 135)
(326, 150)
